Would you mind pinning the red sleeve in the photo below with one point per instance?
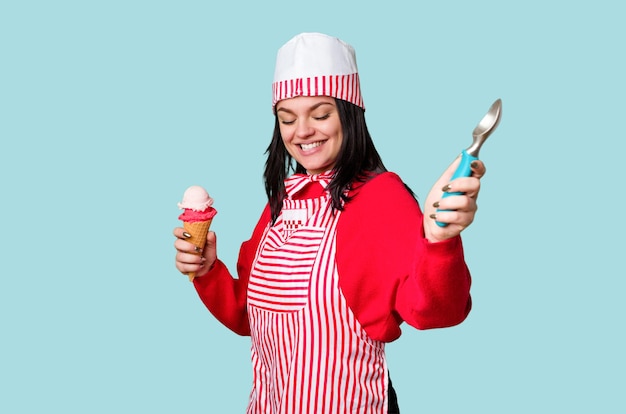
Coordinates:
(389, 272)
(225, 296)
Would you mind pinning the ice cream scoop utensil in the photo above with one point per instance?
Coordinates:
(482, 131)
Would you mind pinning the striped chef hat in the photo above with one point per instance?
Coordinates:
(315, 64)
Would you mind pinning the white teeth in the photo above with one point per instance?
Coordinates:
(306, 147)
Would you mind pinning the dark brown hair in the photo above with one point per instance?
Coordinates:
(356, 161)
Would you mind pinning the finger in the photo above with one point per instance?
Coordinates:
(186, 247)
(187, 268)
(210, 249)
(460, 202)
(437, 191)
(465, 185)
(187, 262)
(180, 233)
(189, 258)
(445, 216)
(211, 238)
(478, 168)
(457, 220)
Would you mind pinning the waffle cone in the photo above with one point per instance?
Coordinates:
(198, 231)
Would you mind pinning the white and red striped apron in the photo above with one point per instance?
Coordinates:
(309, 353)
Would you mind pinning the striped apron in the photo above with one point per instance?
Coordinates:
(309, 353)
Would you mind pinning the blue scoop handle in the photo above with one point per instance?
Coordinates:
(463, 170)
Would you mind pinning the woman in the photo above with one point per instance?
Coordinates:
(342, 254)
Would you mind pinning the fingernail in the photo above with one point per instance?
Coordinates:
(474, 164)
(433, 216)
(197, 249)
(186, 235)
(446, 188)
(436, 204)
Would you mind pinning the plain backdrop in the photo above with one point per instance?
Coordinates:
(110, 109)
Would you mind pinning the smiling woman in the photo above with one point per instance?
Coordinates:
(318, 293)
(311, 131)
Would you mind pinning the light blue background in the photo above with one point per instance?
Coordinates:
(110, 109)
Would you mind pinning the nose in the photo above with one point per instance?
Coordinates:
(304, 129)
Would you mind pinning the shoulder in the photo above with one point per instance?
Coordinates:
(381, 194)
(382, 204)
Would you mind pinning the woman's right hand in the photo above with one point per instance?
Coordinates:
(189, 258)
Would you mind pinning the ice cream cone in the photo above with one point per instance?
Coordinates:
(198, 231)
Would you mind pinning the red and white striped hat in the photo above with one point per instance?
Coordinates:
(315, 64)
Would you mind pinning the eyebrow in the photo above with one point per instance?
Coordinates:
(312, 108)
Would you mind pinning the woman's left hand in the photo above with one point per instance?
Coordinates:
(462, 208)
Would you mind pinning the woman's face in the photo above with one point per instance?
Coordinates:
(311, 131)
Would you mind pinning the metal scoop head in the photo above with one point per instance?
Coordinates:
(485, 127)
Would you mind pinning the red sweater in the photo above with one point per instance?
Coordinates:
(388, 272)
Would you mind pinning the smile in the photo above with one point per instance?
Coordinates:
(306, 147)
